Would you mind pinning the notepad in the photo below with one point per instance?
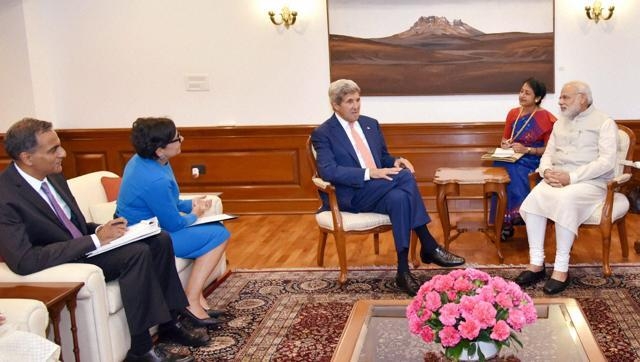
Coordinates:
(141, 230)
(502, 154)
(213, 218)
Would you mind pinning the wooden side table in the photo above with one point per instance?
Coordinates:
(493, 179)
(55, 296)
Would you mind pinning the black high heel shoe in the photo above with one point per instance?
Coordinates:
(200, 322)
(507, 233)
(215, 313)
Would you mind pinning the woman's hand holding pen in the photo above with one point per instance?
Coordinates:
(200, 205)
(506, 143)
(111, 230)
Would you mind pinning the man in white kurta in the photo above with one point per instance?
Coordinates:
(579, 160)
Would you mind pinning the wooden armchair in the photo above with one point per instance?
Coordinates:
(613, 209)
(347, 223)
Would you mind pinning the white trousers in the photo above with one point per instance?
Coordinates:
(536, 228)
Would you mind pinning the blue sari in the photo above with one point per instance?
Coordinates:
(534, 133)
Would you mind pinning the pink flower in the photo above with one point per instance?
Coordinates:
(462, 285)
(530, 313)
(504, 300)
(432, 301)
(516, 319)
(427, 335)
(441, 283)
(501, 331)
(449, 336)
(469, 329)
(485, 314)
(415, 325)
(449, 313)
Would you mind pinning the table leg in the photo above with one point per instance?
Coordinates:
(502, 206)
(71, 306)
(443, 212)
(54, 314)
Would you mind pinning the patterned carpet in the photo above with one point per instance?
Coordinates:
(298, 315)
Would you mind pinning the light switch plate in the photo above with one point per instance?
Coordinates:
(196, 82)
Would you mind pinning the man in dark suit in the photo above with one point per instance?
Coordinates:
(352, 155)
(34, 236)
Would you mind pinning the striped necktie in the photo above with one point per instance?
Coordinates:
(60, 213)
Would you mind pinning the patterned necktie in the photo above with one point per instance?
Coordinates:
(61, 215)
(362, 148)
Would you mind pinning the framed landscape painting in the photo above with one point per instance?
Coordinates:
(428, 47)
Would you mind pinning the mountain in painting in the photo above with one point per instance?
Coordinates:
(438, 56)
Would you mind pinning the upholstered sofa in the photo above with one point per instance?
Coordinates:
(102, 326)
(26, 315)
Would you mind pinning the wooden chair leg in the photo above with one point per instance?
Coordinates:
(622, 235)
(376, 243)
(413, 241)
(342, 256)
(322, 242)
(606, 248)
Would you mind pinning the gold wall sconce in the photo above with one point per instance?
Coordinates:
(595, 12)
(287, 17)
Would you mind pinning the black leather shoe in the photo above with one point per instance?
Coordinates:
(553, 286)
(529, 277)
(408, 282)
(200, 322)
(178, 333)
(441, 257)
(158, 354)
(215, 313)
(507, 233)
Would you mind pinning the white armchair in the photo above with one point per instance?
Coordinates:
(26, 315)
(102, 325)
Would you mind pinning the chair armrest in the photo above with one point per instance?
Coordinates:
(534, 178)
(330, 190)
(89, 274)
(321, 184)
(27, 315)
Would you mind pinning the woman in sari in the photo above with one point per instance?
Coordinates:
(526, 131)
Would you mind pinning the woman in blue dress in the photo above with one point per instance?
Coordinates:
(527, 131)
(149, 189)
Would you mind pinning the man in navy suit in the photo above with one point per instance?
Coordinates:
(345, 144)
(34, 236)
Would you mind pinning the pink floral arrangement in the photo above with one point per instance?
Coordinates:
(467, 306)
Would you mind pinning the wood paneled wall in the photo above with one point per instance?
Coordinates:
(265, 169)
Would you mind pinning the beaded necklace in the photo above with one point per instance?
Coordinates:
(525, 123)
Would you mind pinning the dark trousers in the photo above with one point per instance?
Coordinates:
(400, 199)
(149, 282)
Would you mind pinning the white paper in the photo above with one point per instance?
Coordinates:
(503, 152)
(141, 230)
(213, 218)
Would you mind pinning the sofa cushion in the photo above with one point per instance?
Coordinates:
(102, 212)
(111, 187)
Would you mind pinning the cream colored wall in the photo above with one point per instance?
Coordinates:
(102, 63)
(16, 92)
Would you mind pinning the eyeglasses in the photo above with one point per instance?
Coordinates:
(179, 138)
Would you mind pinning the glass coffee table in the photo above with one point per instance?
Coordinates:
(377, 330)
